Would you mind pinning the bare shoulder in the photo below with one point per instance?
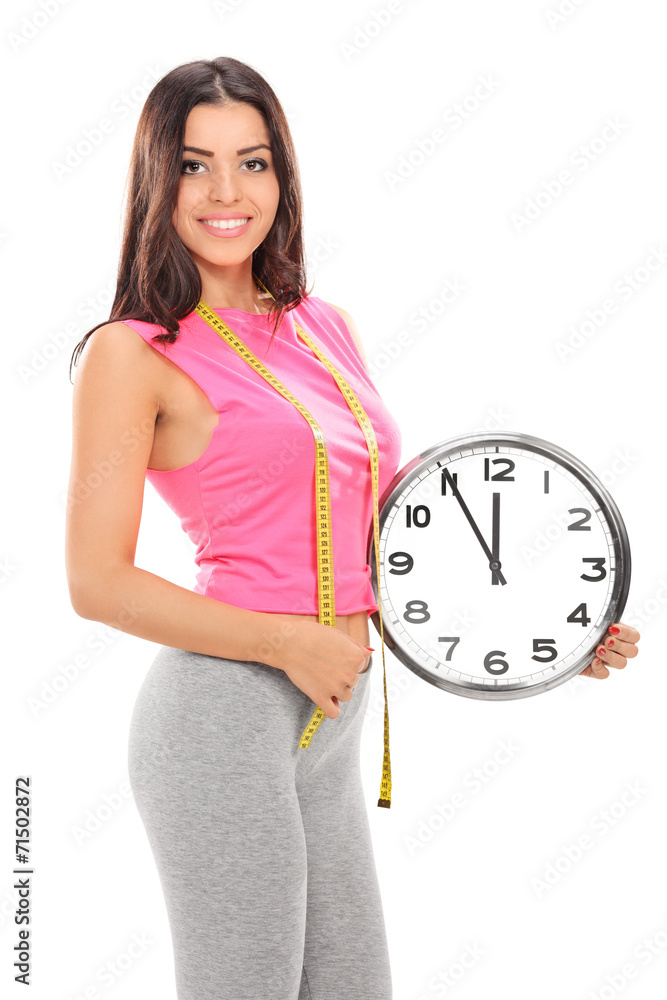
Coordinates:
(115, 351)
(116, 341)
(352, 327)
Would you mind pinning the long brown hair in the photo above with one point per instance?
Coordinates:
(158, 281)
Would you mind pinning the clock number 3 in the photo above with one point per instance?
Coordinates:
(597, 564)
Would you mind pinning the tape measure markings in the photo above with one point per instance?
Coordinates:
(326, 594)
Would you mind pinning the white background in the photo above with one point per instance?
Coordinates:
(363, 92)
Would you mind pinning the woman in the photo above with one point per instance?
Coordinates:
(263, 848)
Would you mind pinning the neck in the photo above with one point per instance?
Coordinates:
(232, 287)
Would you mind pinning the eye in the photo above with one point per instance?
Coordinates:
(257, 160)
(193, 163)
(188, 163)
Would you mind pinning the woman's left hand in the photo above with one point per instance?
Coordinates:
(619, 647)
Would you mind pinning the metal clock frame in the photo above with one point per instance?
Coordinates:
(621, 544)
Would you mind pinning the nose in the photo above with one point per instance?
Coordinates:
(225, 186)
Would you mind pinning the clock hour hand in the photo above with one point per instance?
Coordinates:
(494, 565)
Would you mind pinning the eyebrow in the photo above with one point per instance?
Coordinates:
(239, 152)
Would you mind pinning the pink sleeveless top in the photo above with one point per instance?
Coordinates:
(248, 502)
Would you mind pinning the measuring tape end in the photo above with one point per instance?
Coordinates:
(385, 802)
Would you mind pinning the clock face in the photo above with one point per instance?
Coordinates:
(503, 561)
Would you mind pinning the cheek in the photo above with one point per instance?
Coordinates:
(272, 199)
(271, 191)
(180, 217)
(178, 210)
(185, 204)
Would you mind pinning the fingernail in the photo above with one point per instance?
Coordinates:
(614, 630)
(369, 648)
(611, 642)
(601, 651)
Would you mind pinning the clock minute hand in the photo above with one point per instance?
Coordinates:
(496, 565)
(495, 538)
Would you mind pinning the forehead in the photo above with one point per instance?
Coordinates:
(224, 127)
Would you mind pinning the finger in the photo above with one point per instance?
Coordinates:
(627, 649)
(347, 693)
(611, 657)
(624, 632)
(596, 669)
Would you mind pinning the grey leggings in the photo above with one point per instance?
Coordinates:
(263, 849)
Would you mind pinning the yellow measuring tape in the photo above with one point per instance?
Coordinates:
(325, 574)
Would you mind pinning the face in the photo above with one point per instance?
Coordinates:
(223, 175)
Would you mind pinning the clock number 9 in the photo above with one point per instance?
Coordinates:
(401, 563)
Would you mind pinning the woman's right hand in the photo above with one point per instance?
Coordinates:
(323, 662)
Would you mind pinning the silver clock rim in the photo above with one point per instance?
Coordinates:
(522, 688)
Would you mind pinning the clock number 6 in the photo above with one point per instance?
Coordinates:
(490, 662)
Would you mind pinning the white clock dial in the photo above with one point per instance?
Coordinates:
(503, 561)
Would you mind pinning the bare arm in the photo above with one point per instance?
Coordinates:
(116, 403)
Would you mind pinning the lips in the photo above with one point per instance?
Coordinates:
(218, 233)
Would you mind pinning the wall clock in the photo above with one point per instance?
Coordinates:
(503, 560)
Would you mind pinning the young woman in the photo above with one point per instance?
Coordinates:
(263, 847)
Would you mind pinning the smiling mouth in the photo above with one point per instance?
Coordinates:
(225, 223)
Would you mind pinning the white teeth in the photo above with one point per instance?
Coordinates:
(224, 223)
